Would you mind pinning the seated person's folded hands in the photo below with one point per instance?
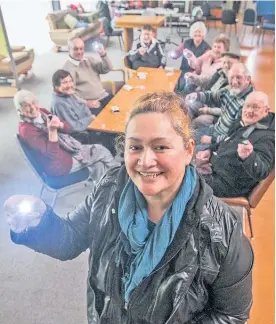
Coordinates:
(203, 110)
(53, 123)
(205, 139)
(93, 103)
(203, 156)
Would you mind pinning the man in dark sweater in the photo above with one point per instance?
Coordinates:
(236, 165)
(147, 51)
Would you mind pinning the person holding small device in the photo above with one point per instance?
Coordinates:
(234, 166)
(53, 148)
(85, 72)
(163, 249)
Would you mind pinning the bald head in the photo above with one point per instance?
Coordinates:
(76, 48)
(239, 78)
(255, 108)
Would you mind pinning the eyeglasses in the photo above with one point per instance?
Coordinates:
(253, 107)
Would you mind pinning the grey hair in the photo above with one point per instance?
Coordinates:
(262, 95)
(241, 66)
(71, 40)
(199, 25)
(21, 97)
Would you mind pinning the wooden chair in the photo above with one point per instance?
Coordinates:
(127, 66)
(253, 199)
(112, 86)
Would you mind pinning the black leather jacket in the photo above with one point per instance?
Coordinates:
(204, 276)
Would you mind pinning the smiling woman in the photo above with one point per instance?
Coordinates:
(163, 249)
(158, 133)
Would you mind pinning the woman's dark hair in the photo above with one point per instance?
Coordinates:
(161, 102)
(58, 76)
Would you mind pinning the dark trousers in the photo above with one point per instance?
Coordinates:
(103, 103)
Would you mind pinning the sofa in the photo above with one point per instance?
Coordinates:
(60, 31)
(23, 59)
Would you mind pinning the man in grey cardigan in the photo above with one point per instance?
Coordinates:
(68, 106)
(86, 71)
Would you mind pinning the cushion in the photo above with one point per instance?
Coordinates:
(61, 24)
(70, 21)
(89, 16)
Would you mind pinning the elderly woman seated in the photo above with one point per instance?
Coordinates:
(196, 44)
(53, 148)
(206, 65)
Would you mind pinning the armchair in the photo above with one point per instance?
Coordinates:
(23, 59)
(60, 32)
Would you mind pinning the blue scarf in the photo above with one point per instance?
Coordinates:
(147, 247)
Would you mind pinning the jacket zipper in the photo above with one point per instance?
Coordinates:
(132, 298)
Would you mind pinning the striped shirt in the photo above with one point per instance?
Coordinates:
(231, 106)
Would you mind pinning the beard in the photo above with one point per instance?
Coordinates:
(235, 91)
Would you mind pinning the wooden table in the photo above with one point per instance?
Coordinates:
(157, 79)
(129, 22)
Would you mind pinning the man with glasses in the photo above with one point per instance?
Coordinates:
(147, 51)
(236, 165)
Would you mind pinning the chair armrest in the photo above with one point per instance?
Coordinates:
(56, 31)
(120, 70)
(237, 201)
(112, 84)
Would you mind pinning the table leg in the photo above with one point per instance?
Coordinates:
(128, 38)
(170, 24)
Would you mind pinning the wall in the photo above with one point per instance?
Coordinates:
(26, 23)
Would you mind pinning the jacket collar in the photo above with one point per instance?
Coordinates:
(267, 122)
(60, 94)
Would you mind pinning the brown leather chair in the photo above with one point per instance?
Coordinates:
(253, 199)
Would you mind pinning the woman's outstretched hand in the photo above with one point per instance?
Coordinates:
(23, 211)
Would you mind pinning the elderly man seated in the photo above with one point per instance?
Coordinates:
(69, 107)
(235, 166)
(230, 99)
(53, 148)
(147, 51)
(209, 115)
(86, 71)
